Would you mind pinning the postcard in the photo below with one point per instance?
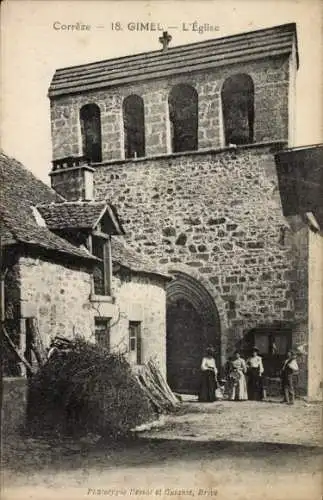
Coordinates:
(161, 249)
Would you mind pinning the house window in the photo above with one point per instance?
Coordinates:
(91, 132)
(102, 331)
(238, 109)
(102, 273)
(135, 342)
(183, 115)
(134, 126)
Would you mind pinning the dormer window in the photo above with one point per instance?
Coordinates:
(91, 224)
(90, 118)
(134, 126)
(102, 272)
(183, 115)
(238, 109)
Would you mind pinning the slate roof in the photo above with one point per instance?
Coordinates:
(125, 256)
(20, 190)
(78, 214)
(269, 42)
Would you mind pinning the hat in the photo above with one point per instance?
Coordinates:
(255, 349)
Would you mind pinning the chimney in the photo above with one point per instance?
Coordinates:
(72, 178)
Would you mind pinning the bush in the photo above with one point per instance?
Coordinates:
(84, 390)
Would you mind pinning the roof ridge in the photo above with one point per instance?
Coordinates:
(198, 56)
(142, 264)
(75, 202)
(187, 45)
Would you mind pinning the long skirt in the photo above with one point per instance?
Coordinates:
(255, 385)
(238, 389)
(207, 387)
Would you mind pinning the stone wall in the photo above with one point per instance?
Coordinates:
(271, 84)
(11, 365)
(299, 238)
(315, 342)
(12, 286)
(142, 299)
(220, 215)
(58, 295)
(13, 408)
(70, 183)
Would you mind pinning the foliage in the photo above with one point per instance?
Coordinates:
(85, 389)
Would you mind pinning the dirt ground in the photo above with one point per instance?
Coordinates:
(223, 450)
(246, 421)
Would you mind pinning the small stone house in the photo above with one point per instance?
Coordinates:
(189, 134)
(66, 271)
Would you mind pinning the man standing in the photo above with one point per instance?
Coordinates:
(289, 370)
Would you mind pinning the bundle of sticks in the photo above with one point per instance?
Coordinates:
(156, 388)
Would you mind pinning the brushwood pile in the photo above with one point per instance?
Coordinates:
(84, 389)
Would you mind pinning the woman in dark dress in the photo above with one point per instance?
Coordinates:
(208, 377)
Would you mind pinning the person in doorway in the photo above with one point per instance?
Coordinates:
(288, 372)
(238, 384)
(255, 370)
(208, 377)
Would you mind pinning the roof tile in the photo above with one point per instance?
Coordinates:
(20, 191)
(213, 53)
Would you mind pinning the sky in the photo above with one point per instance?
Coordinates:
(32, 49)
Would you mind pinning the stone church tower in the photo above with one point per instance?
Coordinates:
(182, 142)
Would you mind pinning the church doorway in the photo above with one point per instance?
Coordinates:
(192, 325)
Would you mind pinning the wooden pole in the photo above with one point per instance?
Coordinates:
(14, 348)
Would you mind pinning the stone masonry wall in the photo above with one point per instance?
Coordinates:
(13, 408)
(217, 213)
(315, 340)
(69, 183)
(12, 291)
(59, 297)
(142, 299)
(270, 79)
(300, 241)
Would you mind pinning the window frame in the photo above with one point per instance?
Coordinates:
(135, 334)
(106, 321)
(106, 262)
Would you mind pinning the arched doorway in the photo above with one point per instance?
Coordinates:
(192, 325)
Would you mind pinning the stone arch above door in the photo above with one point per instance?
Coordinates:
(193, 323)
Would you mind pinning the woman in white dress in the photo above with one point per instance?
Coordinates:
(255, 372)
(238, 384)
